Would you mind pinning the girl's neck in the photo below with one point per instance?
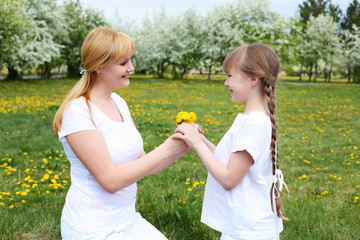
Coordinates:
(256, 103)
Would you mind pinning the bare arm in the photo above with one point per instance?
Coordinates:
(90, 148)
(228, 176)
(170, 160)
(209, 144)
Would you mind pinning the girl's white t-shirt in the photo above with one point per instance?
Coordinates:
(89, 208)
(245, 211)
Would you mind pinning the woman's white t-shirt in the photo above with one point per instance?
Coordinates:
(89, 208)
(245, 211)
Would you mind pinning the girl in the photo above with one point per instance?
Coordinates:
(104, 147)
(239, 189)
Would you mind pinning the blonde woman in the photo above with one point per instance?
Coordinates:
(242, 198)
(104, 147)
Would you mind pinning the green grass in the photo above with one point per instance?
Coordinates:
(319, 145)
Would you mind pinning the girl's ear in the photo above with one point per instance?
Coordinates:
(254, 80)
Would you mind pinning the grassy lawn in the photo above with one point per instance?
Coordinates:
(319, 152)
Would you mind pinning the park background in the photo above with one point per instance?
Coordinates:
(178, 68)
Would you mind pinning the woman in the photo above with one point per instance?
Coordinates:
(104, 147)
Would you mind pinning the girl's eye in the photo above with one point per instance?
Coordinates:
(229, 75)
(123, 64)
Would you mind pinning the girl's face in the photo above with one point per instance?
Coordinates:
(116, 75)
(239, 86)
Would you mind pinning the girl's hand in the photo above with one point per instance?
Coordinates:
(189, 134)
(199, 129)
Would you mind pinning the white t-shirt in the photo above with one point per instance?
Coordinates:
(89, 208)
(245, 211)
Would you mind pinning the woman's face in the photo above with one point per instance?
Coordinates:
(116, 75)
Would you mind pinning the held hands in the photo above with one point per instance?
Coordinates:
(176, 146)
(190, 134)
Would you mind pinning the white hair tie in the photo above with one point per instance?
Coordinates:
(278, 177)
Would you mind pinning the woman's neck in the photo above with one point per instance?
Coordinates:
(100, 93)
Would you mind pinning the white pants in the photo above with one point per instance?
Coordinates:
(140, 230)
(227, 237)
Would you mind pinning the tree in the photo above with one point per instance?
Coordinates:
(185, 50)
(351, 51)
(296, 48)
(153, 43)
(217, 36)
(352, 16)
(243, 21)
(12, 24)
(316, 7)
(41, 48)
(320, 40)
(79, 22)
(350, 25)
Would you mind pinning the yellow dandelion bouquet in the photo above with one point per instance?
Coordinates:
(185, 117)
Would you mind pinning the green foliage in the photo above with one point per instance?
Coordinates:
(318, 147)
(12, 23)
(352, 16)
(316, 7)
(80, 21)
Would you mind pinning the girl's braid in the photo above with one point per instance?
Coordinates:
(269, 90)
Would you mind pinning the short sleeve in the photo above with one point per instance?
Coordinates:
(253, 137)
(75, 118)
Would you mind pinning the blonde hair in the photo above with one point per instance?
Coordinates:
(101, 47)
(260, 61)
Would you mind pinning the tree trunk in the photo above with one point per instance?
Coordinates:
(301, 70)
(310, 71)
(209, 74)
(330, 72)
(175, 73)
(354, 74)
(12, 73)
(45, 74)
(162, 69)
(183, 73)
(325, 74)
(349, 74)
(316, 71)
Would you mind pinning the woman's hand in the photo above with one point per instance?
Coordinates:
(176, 146)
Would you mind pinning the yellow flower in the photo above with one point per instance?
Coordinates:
(324, 193)
(185, 117)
